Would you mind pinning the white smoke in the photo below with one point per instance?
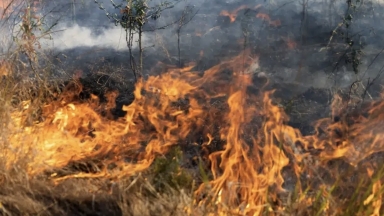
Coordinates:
(68, 37)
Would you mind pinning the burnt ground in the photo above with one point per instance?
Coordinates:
(304, 78)
(304, 100)
(293, 71)
(303, 108)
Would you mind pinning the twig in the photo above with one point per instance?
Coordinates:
(182, 23)
(369, 84)
(377, 55)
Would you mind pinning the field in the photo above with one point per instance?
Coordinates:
(247, 114)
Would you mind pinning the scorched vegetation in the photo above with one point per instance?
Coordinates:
(183, 141)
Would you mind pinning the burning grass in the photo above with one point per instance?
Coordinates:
(188, 144)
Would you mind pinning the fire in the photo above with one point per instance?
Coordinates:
(4, 5)
(234, 13)
(8, 6)
(267, 18)
(176, 107)
(5, 68)
(77, 131)
(291, 44)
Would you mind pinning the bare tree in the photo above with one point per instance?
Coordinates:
(184, 20)
(134, 14)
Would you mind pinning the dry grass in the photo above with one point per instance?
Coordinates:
(168, 186)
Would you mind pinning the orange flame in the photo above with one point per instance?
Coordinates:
(267, 18)
(291, 44)
(4, 7)
(247, 169)
(234, 13)
(7, 6)
(5, 68)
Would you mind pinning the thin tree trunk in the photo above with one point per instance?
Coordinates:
(178, 46)
(140, 71)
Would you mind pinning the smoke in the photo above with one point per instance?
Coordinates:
(313, 62)
(84, 24)
(72, 36)
(310, 63)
